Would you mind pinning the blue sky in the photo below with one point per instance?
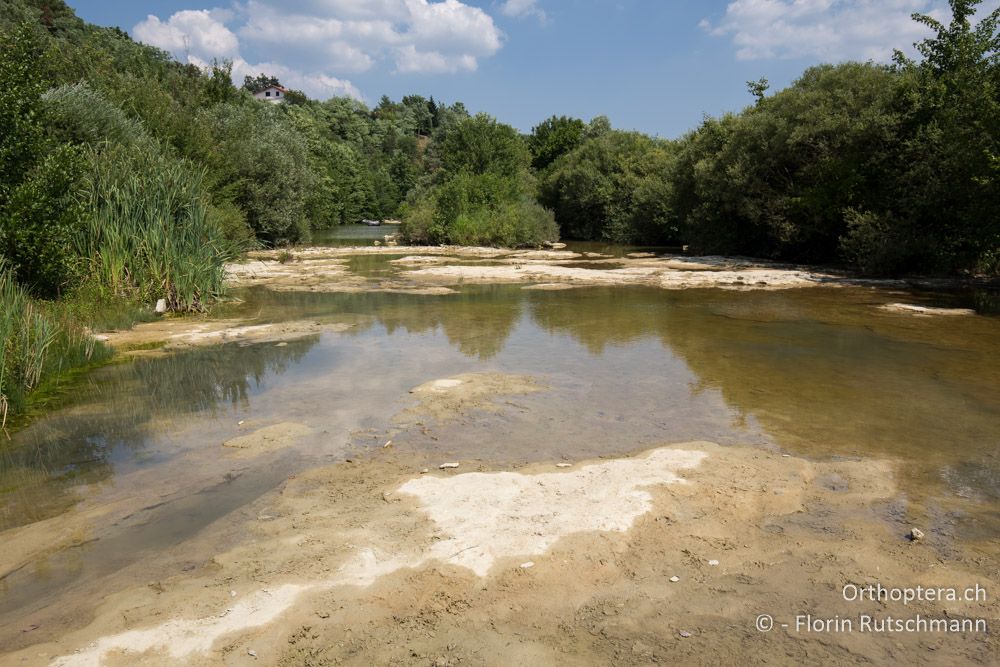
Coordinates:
(655, 66)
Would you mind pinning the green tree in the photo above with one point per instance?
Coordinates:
(553, 138)
(255, 84)
(614, 187)
(260, 163)
(40, 212)
(481, 145)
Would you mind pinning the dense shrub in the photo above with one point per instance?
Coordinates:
(259, 162)
(485, 209)
(613, 187)
(39, 208)
(483, 193)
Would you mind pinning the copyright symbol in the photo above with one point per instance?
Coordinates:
(765, 623)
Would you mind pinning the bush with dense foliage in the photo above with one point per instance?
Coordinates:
(483, 192)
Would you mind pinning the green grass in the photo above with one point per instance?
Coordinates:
(38, 341)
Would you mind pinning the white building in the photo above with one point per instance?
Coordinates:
(272, 94)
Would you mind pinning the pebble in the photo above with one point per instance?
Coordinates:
(685, 633)
(447, 466)
(713, 562)
(252, 653)
(239, 423)
(424, 471)
(564, 465)
(675, 579)
(916, 534)
(527, 565)
(232, 594)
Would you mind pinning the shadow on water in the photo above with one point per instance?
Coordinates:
(117, 413)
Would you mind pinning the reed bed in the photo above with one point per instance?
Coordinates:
(35, 341)
(149, 236)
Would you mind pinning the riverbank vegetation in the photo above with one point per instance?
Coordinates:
(127, 177)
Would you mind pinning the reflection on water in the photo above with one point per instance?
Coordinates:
(820, 372)
(351, 235)
(117, 412)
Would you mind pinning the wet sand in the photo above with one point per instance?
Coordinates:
(670, 555)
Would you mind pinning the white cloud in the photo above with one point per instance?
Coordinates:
(824, 29)
(310, 44)
(190, 34)
(420, 36)
(521, 8)
(409, 60)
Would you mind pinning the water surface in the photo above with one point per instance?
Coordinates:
(814, 372)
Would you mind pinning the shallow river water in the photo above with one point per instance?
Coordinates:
(818, 372)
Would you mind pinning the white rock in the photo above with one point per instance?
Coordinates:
(713, 562)
(675, 579)
(564, 465)
(527, 565)
(161, 307)
(447, 466)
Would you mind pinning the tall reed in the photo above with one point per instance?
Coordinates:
(149, 236)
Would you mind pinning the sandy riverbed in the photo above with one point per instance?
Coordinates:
(669, 555)
(666, 556)
(434, 270)
(183, 332)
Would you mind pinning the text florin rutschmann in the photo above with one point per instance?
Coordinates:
(889, 623)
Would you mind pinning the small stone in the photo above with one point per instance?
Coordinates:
(786, 456)
(916, 534)
(564, 465)
(424, 471)
(232, 594)
(388, 444)
(713, 562)
(252, 653)
(239, 423)
(161, 306)
(685, 634)
(282, 344)
(527, 565)
(447, 466)
(675, 579)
